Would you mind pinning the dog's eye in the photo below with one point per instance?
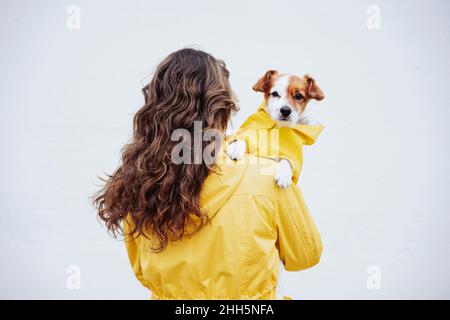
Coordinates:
(298, 96)
(275, 94)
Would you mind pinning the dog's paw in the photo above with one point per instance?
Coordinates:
(283, 176)
(236, 149)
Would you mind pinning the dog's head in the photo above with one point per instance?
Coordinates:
(287, 95)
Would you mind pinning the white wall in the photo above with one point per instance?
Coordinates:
(376, 182)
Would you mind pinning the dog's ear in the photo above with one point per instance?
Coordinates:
(313, 91)
(264, 84)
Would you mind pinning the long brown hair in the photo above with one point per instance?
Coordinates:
(159, 195)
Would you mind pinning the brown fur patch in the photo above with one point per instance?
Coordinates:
(266, 82)
(297, 85)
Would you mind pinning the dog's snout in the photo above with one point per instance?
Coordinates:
(285, 111)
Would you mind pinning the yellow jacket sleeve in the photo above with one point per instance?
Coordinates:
(133, 252)
(298, 243)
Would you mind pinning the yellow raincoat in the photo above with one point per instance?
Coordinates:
(253, 225)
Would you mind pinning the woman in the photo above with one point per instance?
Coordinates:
(201, 229)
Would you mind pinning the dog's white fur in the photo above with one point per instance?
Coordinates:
(274, 105)
(283, 176)
(236, 149)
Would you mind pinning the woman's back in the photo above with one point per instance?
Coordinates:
(196, 224)
(235, 256)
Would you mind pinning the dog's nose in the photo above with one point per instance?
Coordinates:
(285, 111)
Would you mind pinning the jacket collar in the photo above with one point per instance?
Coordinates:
(309, 133)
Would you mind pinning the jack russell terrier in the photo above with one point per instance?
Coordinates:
(284, 113)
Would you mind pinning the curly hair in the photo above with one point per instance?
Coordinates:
(159, 196)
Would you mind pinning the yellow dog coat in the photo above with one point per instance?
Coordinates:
(265, 138)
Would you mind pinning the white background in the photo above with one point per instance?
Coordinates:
(377, 181)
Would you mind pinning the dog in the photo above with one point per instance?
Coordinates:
(284, 108)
